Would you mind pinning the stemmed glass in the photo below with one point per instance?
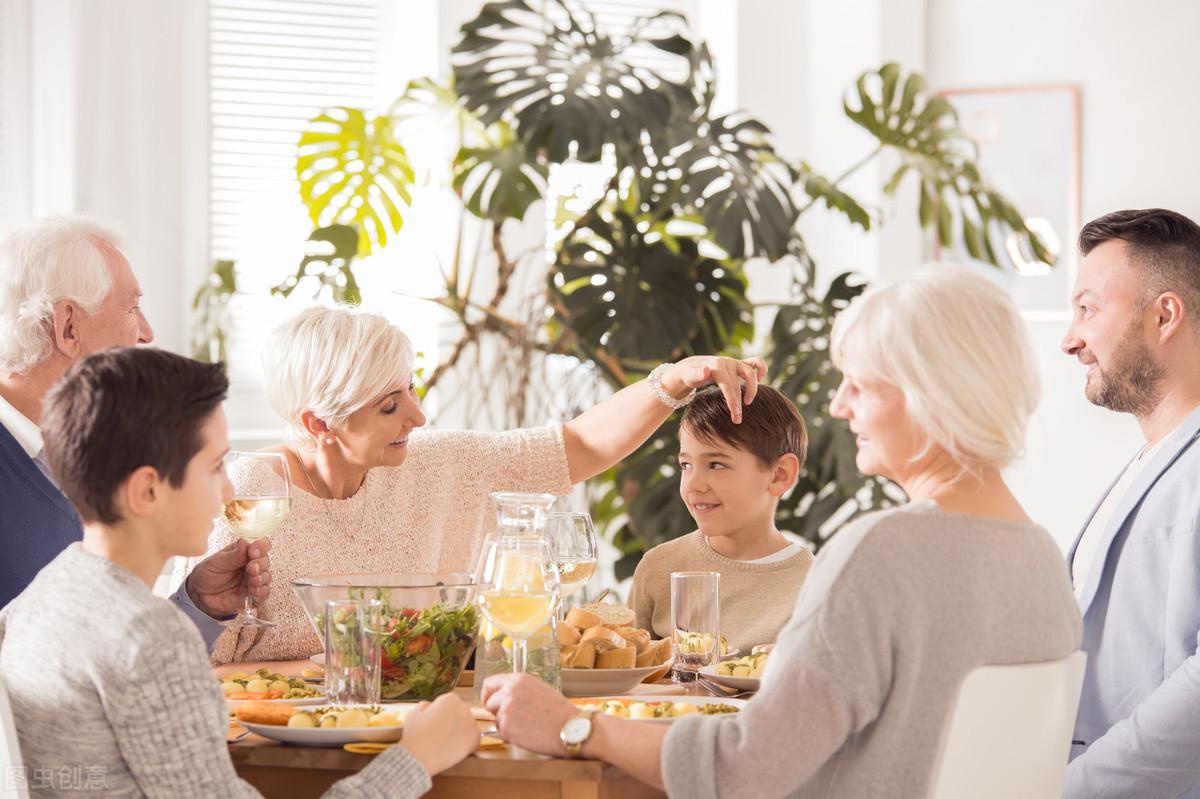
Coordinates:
(572, 539)
(260, 504)
(517, 582)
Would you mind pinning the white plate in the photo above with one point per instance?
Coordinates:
(740, 683)
(602, 682)
(234, 704)
(731, 653)
(319, 659)
(324, 736)
(695, 700)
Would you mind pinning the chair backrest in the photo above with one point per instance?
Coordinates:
(1010, 732)
(13, 784)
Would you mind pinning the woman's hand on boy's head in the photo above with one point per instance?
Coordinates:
(441, 733)
(529, 712)
(728, 374)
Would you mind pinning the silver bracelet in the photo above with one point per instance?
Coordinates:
(655, 380)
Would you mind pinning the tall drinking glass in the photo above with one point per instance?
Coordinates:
(259, 506)
(695, 622)
(353, 651)
(517, 583)
(572, 539)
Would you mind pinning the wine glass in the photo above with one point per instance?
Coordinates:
(572, 539)
(517, 582)
(260, 504)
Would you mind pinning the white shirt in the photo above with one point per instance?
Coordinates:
(1089, 542)
(27, 434)
(783, 554)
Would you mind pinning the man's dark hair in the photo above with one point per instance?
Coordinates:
(771, 426)
(121, 409)
(1164, 244)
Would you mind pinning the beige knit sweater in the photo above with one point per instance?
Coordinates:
(428, 514)
(756, 598)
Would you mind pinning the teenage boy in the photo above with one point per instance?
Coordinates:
(137, 440)
(732, 477)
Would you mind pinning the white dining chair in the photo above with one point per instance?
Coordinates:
(1010, 732)
(12, 767)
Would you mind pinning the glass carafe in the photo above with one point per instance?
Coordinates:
(519, 515)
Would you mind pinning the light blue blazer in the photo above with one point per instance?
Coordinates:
(1138, 729)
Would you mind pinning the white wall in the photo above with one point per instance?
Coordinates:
(1136, 66)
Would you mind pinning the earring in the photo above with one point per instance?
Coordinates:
(329, 440)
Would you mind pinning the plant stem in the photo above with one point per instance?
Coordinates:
(857, 165)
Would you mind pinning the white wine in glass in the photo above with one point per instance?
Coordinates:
(260, 504)
(574, 573)
(518, 589)
(572, 539)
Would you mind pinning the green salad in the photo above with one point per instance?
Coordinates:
(424, 651)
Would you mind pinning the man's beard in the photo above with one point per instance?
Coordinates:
(1133, 381)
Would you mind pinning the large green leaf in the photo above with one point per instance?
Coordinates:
(923, 129)
(353, 172)
(630, 287)
(568, 86)
(725, 169)
(499, 180)
(329, 262)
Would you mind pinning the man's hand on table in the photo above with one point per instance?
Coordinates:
(216, 584)
(440, 734)
(528, 712)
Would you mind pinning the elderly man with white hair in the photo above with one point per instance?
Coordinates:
(373, 494)
(66, 291)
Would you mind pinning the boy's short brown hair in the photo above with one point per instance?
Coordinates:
(771, 426)
(121, 409)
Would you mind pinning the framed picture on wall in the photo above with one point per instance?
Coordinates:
(1028, 139)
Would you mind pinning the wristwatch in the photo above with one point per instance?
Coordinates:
(576, 732)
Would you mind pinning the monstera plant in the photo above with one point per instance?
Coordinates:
(653, 270)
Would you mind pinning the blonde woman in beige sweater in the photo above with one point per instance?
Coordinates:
(732, 477)
(372, 493)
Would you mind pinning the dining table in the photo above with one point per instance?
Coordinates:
(495, 772)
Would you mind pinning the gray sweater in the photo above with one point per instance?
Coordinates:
(899, 607)
(112, 694)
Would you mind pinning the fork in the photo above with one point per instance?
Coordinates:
(720, 690)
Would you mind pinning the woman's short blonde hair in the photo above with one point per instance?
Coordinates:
(333, 361)
(955, 344)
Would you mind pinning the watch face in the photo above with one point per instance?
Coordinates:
(576, 730)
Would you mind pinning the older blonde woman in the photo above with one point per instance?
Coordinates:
(372, 494)
(938, 385)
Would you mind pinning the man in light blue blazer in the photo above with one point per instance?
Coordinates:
(1136, 564)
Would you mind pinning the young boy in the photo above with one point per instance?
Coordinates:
(732, 476)
(137, 440)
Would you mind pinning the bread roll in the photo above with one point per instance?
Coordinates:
(567, 635)
(655, 654)
(611, 614)
(580, 656)
(264, 713)
(623, 658)
(640, 639)
(583, 619)
(603, 639)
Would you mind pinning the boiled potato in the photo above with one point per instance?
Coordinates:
(640, 710)
(741, 671)
(258, 686)
(329, 720)
(353, 718)
(237, 675)
(684, 709)
(302, 719)
(231, 688)
(384, 719)
(280, 685)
